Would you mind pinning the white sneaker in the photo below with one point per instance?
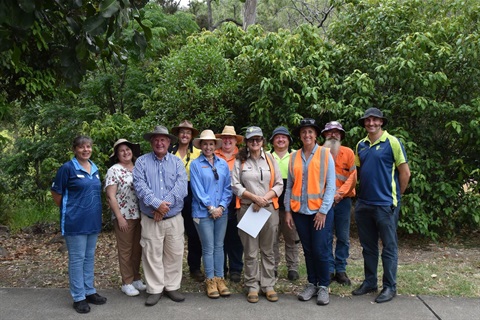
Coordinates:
(130, 290)
(139, 285)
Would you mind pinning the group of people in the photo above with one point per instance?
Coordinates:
(203, 185)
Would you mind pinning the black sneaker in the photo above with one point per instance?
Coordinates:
(235, 276)
(292, 275)
(96, 299)
(81, 306)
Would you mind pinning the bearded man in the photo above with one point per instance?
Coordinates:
(346, 178)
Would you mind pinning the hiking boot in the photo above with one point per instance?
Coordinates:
(212, 290)
(96, 299)
(222, 287)
(307, 293)
(292, 275)
(130, 290)
(322, 296)
(81, 306)
(342, 278)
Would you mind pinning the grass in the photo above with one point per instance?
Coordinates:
(28, 213)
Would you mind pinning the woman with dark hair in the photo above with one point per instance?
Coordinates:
(123, 202)
(77, 191)
(257, 181)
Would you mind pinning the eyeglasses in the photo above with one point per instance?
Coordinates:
(257, 140)
(215, 173)
(307, 121)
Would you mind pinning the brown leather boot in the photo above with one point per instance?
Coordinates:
(222, 287)
(212, 291)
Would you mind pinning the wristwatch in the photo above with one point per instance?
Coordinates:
(222, 207)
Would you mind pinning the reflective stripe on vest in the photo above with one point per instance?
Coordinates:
(317, 179)
(272, 181)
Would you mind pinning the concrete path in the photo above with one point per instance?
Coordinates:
(52, 304)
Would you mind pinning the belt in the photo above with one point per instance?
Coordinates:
(165, 218)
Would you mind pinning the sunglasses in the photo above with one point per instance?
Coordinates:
(215, 173)
(257, 140)
(305, 122)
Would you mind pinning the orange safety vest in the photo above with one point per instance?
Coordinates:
(272, 180)
(317, 179)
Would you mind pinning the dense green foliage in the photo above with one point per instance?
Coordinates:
(415, 60)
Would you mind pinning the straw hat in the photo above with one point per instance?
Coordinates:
(135, 147)
(160, 130)
(229, 131)
(185, 124)
(207, 135)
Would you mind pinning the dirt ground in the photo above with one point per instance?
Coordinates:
(37, 257)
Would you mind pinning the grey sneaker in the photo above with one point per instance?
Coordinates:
(322, 296)
(307, 293)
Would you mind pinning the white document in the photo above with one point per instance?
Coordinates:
(252, 222)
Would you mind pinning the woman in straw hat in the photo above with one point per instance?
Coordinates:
(123, 203)
(212, 192)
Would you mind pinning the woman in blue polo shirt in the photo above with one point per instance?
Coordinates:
(77, 191)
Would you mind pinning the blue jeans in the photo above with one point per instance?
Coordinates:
(315, 247)
(81, 257)
(341, 227)
(374, 222)
(212, 234)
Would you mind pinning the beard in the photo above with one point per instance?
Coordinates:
(334, 146)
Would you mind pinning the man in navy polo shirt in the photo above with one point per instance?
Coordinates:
(383, 173)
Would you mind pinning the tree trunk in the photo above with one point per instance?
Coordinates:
(249, 13)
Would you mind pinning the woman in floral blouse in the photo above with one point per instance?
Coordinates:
(123, 202)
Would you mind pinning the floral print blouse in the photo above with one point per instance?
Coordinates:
(126, 196)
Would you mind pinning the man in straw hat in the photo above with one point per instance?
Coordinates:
(160, 181)
(233, 245)
(185, 150)
(346, 179)
(383, 173)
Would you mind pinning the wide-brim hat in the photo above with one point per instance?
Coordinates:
(334, 125)
(207, 135)
(306, 122)
(372, 112)
(229, 131)
(185, 124)
(135, 147)
(160, 130)
(281, 130)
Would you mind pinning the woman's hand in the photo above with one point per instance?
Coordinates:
(216, 213)
(319, 221)
(122, 224)
(261, 202)
(289, 220)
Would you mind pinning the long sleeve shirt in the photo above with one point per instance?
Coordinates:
(206, 189)
(254, 175)
(157, 180)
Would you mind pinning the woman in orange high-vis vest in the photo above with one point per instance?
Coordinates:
(308, 198)
(256, 179)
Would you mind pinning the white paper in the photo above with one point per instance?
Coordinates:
(252, 222)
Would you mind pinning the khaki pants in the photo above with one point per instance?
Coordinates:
(162, 256)
(263, 275)
(129, 250)
(292, 242)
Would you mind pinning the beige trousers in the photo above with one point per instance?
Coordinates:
(259, 275)
(162, 254)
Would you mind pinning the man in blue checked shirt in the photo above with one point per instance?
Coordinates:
(160, 181)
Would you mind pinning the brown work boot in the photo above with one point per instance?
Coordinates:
(222, 287)
(212, 291)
